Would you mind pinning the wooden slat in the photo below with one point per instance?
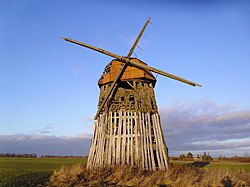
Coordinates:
(114, 141)
(165, 157)
(128, 142)
(161, 146)
(157, 143)
(147, 141)
(110, 139)
(123, 153)
(136, 138)
(118, 149)
(141, 141)
(144, 142)
(131, 139)
(92, 148)
(150, 142)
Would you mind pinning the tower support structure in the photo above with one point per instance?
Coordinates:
(128, 129)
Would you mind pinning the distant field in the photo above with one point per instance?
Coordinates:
(31, 171)
(222, 165)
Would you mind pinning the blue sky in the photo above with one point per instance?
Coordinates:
(49, 87)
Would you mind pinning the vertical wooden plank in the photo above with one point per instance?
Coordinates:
(150, 142)
(136, 138)
(98, 153)
(128, 141)
(110, 138)
(141, 141)
(131, 139)
(157, 142)
(96, 143)
(92, 148)
(114, 141)
(100, 139)
(90, 158)
(147, 142)
(144, 141)
(160, 143)
(165, 157)
(107, 140)
(103, 138)
(165, 147)
(118, 149)
(123, 139)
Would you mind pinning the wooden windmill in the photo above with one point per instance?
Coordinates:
(127, 123)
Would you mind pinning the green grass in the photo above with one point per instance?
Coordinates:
(230, 166)
(31, 171)
(221, 165)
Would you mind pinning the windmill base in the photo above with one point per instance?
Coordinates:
(128, 138)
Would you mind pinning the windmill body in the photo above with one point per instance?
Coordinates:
(127, 123)
(127, 130)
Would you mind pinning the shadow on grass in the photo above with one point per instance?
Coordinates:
(226, 181)
(199, 164)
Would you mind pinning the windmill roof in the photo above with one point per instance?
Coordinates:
(130, 73)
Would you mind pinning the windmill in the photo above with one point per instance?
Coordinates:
(127, 122)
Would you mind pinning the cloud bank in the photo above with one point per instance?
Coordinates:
(206, 126)
(45, 144)
(195, 127)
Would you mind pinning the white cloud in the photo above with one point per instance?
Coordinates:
(47, 130)
(88, 118)
(230, 143)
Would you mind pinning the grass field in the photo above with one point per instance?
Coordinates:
(221, 165)
(33, 171)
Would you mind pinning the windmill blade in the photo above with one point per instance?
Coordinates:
(93, 48)
(138, 38)
(174, 77)
(146, 67)
(112, 89)
(133, 63)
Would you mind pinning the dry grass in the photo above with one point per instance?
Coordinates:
(177, 175)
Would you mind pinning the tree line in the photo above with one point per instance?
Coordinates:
(57, 156)
(190, 157)
(34, 155)
(25, 155)
(234, 159)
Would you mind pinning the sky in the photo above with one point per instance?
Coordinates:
(49, 91)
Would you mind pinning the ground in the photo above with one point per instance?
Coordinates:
(34, 171)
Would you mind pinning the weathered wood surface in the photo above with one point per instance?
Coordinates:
(119, 140)
(130, 132)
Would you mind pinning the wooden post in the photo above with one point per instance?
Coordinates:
(124, 137)
(110, 130)
(136, 138)
(150, 143)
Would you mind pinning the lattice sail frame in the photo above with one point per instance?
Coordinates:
(128, 130)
